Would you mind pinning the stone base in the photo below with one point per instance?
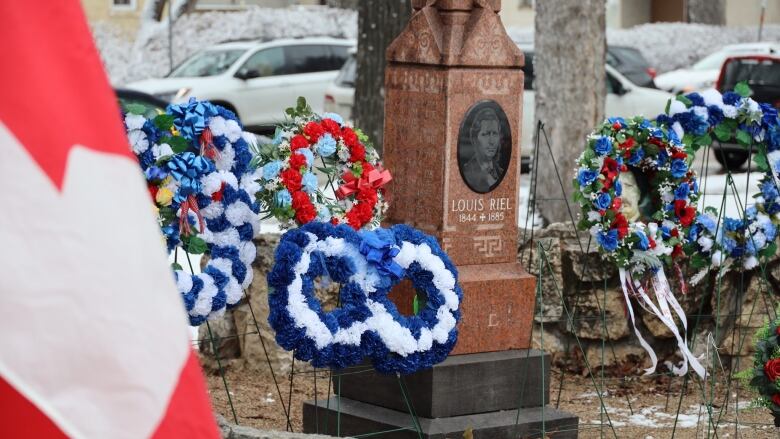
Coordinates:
(493, 381)
(497, 308)
(346, 417)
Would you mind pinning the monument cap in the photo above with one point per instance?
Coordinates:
(458, 5)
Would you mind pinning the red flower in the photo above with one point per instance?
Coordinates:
(291, 179)
(674, 232)
(776, 398)
(367, 167)
(359, 215)
(686, 214)
(616, 126)
(298, 142)
(304, 210)
(677, 251)
(313, 131)
(610, 168)
(153, 191)
(217, 196)
(349, 136)
(617, 203)
(331, 126)
(334, 221)
(621, 224)
(772, 369)
(299, 199)
(297, 161)
(367, 196)
(357, 153)
(679, 155)
(652, 242)
(628, 143)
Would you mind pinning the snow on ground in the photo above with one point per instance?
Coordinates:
(670, 46)
(129, 60)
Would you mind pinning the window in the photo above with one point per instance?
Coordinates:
(308, 59)
(347, 74)
(123, 5)
(528, 69)
(339, 55)
(207, 63)
(267, 62)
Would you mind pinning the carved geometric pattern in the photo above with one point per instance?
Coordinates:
(489, 246)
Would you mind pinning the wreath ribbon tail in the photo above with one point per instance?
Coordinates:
(665, 299)
(626, 286)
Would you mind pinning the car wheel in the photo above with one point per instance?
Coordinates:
(730, 159)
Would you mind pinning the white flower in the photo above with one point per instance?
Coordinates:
(678, 129)
(217, 125)
(750, 263)
(161, 150)
(138, 141)
(712, 97)
(134, 121)
(595, 230)
(730, 111)
(667, 197)
(343, 153)
(705, 243)
(759, 240)
(232, 130)
(701, 112)
(594, 216)
(717, 258)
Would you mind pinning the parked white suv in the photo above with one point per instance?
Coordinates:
(256, 79)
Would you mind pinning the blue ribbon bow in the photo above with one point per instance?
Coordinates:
(190, 118)
(379, 249)
(187, 168)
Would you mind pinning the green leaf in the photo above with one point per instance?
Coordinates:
(196, 245)
(759, 381)
(416, 304)
(357, 169)
(698, 261)
(761, 162)
(137, 109)
(176, 266)
(769, 251)
(163, 122)
(703, 140)
(742, 89)
(668, 104)
(722, 132)
(743, 138)
(684, 100)
(301, 102)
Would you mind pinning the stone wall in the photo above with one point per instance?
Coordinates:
(582, 303)
(577, 289)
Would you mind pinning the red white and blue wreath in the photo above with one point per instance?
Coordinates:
(663, 150)
(366, 324)
(196, 159)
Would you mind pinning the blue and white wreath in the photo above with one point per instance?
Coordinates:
(196, 159)
(366, 324)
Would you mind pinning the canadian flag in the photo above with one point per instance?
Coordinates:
(93, 336)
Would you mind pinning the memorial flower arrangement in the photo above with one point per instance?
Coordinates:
(764, 374)
(196, 160)
(663, 150)
(308, 142)
(366, 324)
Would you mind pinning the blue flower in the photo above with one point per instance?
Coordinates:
(665, 232)
(334, 117)
(618, 187)
(636, 157)
(728, 244)
(323, 214)
(271, 170)
(663, 119)
(663, 156)
(154, 173)
(306, 152)
(309, 182)
(731, 98)
(277, 137)
(773, 137)
(770, 114)
(732, 224)
(750, 212)
(608, 240)
(769, 190)
(681, 193)
(671, 135)
(696, 99)
(691, 122)
(326, 145)
(715, 115)
(679, 168)
(586, 176)
(603, 201)
(770, 231)
(603, 145)
(643, 243)
(707, 222)
(693, 232)
(283, 198)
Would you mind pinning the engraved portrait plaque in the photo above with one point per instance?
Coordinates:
(484, 146)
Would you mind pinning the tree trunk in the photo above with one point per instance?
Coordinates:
(379, 22)
(570, 45)
(707, 11)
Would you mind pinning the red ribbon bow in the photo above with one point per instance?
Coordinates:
(207, 148)
(184, 224)
(375, 179)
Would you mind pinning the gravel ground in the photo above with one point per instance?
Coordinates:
(637, 407)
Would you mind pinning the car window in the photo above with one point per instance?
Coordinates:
(528, 70)
(207, 63)
(308, 59)
(338, 56)
(762, 75)
(627, 55)
(266, 62)
(346, 76)
(612, 60)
